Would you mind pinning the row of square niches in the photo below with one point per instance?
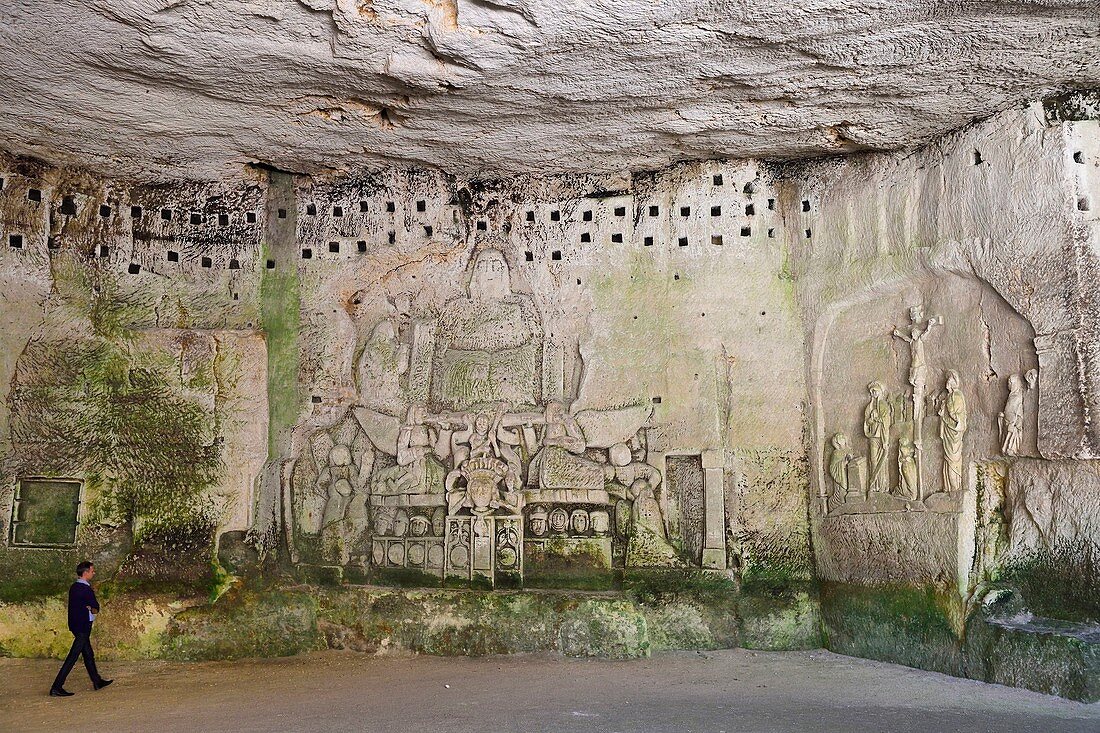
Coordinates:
(422, 205)
(364, 207)
(653, 211)
(715, 239)
(16, 241)
(172, 256)
(69, 208)
(648, 241)
(136, 212)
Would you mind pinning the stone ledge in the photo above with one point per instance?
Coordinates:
(292, 620)
(920, 627)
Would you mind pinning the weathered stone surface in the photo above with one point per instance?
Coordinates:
(515, 87)
(921, 628)
(876, 375)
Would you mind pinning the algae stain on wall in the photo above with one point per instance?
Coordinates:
(280, 319)
(96, 398)
(280, 314)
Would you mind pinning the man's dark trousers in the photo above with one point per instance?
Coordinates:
(81, 597)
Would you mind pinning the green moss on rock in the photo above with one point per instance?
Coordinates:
(1061, 582)
(679, 624)
(900, 624)
(610, 629)
(787, 619)
(246, 624)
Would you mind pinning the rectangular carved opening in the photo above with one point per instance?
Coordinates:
(44, 513)
(686, 506)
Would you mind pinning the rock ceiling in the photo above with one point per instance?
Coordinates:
(196, 88)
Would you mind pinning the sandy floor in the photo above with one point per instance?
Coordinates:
(728, 691)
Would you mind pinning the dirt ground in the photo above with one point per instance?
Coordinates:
(731, 691)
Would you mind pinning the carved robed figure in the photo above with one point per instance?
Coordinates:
(489, 342)
(952, 430)
(877, 419)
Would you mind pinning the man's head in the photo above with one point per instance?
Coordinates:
(85, 570)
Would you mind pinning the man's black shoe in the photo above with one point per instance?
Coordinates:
(102, 683)
(60, 692)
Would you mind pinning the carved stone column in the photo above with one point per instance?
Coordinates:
(714, 507)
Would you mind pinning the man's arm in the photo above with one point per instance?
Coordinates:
(93, 602)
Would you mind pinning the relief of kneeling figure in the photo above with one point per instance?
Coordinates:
(419, 469)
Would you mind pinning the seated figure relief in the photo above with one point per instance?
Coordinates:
(489, 342)
(639, 482)
(419, 469)
(560, 462)
(481, 446)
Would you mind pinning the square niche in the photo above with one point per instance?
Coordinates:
(44, 513)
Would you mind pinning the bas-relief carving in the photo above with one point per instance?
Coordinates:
(943, 517)
(485, 457)
(918, 424)
(915, 335)
(840, 457)
(952, 412)
(896, 426)
(382, 370)
(1011, 420)
(908, 470)
(878, 417)
(418, 469)
(331, 480)
(488, 343)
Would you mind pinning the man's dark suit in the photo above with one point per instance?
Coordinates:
(81, 597)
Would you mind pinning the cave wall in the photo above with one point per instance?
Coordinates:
(255, 318)
(992, 231)
(283, 375)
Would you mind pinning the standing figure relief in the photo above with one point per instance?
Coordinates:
(952, 411)
(877, 419)
(1011, 420)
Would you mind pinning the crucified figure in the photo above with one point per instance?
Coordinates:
(914, 335)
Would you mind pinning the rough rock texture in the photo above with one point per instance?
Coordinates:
(993, 231)
(271, 623)
(179, 89)
(652, 381)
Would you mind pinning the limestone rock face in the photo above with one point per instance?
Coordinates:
(166, 89)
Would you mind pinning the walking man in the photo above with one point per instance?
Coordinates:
(83, 608)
